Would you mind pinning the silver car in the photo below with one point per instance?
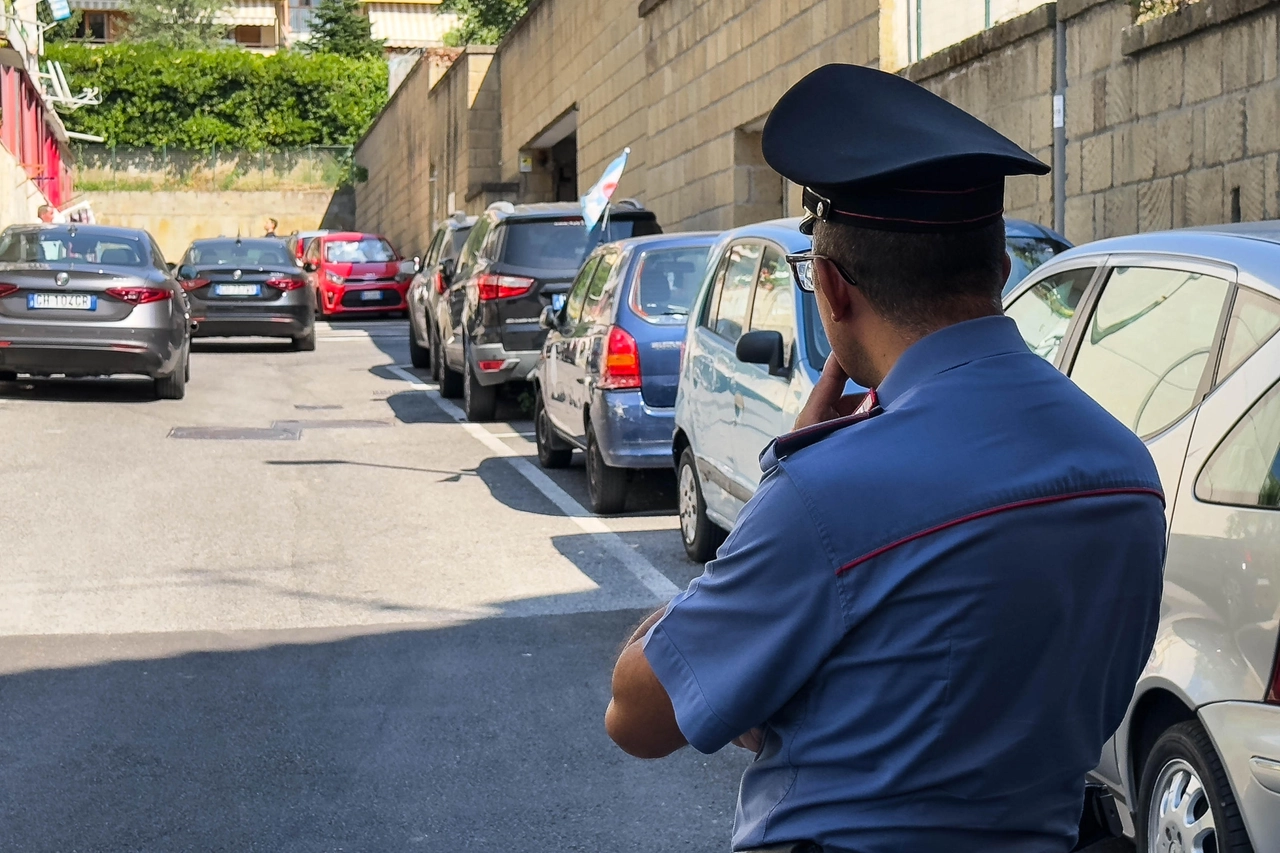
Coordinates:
(90, 300)
(1174, 333)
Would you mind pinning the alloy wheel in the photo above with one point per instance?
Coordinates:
(688, 496)
(1180, 817)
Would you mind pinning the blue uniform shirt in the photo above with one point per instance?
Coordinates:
(937, 614)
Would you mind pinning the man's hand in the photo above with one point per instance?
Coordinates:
(641, 718)
(828, 400)
(751, 739)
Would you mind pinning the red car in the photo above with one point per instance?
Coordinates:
(357, 273)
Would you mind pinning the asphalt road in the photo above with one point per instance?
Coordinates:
(304, 609)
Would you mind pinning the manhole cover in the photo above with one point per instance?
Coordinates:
(235, 433)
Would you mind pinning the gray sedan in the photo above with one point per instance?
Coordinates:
(1174, 333)
(90, 300)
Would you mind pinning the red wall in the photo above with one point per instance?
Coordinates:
(24, 131)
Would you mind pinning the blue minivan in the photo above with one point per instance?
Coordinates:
(605, 381)
(729, 407)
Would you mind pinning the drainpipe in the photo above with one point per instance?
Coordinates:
(1059, 124)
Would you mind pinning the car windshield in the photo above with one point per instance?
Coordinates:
(62, 244)
(369, 250)
(231, 252)
(558, 244)
(1025, 254)
(668, 281)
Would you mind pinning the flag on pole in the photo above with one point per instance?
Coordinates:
(60, 9)
(597, 198)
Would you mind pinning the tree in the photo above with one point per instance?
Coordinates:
(482, 21)
(340, 27)
(177, 24)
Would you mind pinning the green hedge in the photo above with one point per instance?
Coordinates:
(198, 99)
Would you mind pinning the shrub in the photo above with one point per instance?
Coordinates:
(198, 99)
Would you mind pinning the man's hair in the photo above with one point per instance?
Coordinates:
(920, 281)
(42, 208)
(274, 224)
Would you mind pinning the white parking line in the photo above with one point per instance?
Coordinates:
(644, 571)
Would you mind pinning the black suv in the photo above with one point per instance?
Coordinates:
(517, 260)
(426, 300)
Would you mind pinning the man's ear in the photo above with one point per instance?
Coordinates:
(835, 291)
(1007, 267)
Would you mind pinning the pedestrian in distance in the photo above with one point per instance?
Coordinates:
(269, 226)
(46, 213)
(932, 614)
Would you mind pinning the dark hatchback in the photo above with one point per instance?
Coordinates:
(517, 260)
(426, 291)
(607, 377)
(248, 288)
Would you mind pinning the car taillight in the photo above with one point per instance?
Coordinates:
(6, 289)
(138, 295)
(491, 286)
(285, 283)
(440, 285)
(621, 361)
(193, 283)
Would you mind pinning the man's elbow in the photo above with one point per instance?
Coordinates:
(636, 740)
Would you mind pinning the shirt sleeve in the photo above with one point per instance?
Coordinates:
(736, 645)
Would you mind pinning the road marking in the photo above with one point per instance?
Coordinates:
(644, 571)
(512, 434)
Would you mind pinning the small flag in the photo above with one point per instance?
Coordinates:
(60, 9)
(597, 198)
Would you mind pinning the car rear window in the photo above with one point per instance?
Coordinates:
(668, 281)
(555, 244)
(61, 245)
(244, 254)
(367, 251)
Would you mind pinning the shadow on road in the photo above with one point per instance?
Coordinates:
(93, 390)
(215, 345)
(479, 736)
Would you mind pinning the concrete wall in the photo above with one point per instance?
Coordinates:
(19, 197)
(176, 218)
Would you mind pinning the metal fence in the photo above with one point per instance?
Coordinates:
(107, 167)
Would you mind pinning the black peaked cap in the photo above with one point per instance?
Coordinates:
(876, 150)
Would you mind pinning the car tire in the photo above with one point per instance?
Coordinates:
(450, 380)
(1183, 779)
(305, 342)
(701, 536)
(173, 386)
(549, 454)
(419, 356)
(320, 312)
(478, 401)
(8, 376)
(437, 356)
(606, 486)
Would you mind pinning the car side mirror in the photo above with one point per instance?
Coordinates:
(185, 271)
(405, 270)
(309, 266)
(448, 268)
(549, 318)
(763, 347)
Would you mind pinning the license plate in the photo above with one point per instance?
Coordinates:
(236, 289)
(63, 301)
(371, 295)
(558, 300)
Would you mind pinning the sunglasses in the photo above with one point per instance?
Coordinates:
(802, 268)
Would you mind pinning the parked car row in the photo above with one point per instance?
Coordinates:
(92, 300)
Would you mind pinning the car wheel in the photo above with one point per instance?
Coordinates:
(320, 312)
(450, 379)
(419, 356)
(606, 486)
(437, 357)
(305, 342)
(186, 366)
(701, 535)
(478, 401)
(1185, 801)
(549, 454)
(173, 386)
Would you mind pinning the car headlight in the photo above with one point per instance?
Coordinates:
(334, 277)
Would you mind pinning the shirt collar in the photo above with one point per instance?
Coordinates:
(949, 347)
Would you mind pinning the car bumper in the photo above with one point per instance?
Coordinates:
(516, 366)
(277, 321)
(347, 299)
(632, 434)
(146, 353)
(1247, 737)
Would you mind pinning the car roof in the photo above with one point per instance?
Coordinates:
(246, 241)
(348, 235)
(667, 241)
(454, 224)
(1026, 228)
(92, 230)
(558, 210)
(1252, 248)
(785, 232)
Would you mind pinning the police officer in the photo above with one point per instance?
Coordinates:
(932, 614)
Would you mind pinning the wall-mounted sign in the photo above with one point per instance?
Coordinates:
(526, 160)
